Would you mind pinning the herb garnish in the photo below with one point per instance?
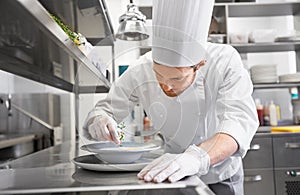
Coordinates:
(121, 133)
(75, 37)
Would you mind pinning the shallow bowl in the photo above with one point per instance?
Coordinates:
(127, 152)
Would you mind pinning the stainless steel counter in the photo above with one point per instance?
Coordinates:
(51, 171)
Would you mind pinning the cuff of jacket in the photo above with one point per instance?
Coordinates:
(241, 135)
(89, 119)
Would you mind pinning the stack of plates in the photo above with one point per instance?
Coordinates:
(290, 78)
(264, 73)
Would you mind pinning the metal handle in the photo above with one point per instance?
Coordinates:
(292, 145)
(293, 173)
(255, 147)
(254, 178)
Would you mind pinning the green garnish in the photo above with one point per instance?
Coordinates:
(121, 133)
(76, 38)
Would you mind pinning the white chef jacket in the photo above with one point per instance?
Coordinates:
(218, 100)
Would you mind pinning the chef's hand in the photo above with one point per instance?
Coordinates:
(176, 166)
(104, 128)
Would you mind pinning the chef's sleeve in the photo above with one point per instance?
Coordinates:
(236, 110)
(119, 101)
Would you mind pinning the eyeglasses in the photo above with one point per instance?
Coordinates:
(176, 80)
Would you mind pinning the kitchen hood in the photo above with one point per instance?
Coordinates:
(33, 45)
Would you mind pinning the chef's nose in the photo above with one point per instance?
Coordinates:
(167, 86)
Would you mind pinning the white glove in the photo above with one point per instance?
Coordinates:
(104, 128)
(176, 166)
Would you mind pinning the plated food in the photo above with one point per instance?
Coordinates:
(128, 152)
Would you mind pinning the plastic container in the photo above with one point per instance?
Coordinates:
(241, 37)
(273, 114)
(262, 36)
(296, 111)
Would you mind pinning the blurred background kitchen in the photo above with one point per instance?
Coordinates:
(54, 68)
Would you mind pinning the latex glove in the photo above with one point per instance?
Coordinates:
(104, 128)
(176, 166)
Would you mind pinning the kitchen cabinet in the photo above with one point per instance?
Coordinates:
(259, 182)
(287, 164)
(258, 167)
(272, 165)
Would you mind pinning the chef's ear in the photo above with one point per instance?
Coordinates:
(198, 66)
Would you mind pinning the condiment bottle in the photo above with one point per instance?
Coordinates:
(259, 109)
(273, 114)
(266, 113)
(278, 112)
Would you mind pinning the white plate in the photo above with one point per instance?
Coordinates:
(125, 147)
(91, 162)
(295, 77)
(128, 152)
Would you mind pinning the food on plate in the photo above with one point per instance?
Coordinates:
(77, 38)
(121, 133)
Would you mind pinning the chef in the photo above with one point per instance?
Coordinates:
(197, 94)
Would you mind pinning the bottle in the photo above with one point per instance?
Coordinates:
(273, 114)
(294, 93)
(266, 114)
(259, 109)
(138, 118)
(147, 124)
(278, 112)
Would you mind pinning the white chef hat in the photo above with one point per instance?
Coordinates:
(180, 30)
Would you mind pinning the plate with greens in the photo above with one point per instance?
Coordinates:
(127, 152)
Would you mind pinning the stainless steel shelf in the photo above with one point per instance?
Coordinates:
(249, 9)
(260, 47)
(275, 85)
(41, 50)
(267, 47)
(262, 9)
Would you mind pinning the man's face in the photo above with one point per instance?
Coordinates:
(174, 80)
